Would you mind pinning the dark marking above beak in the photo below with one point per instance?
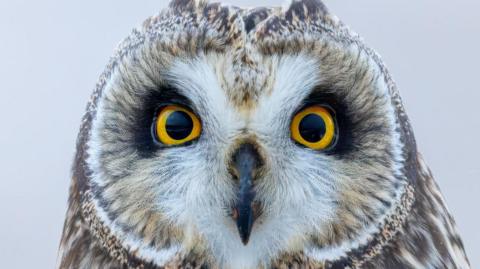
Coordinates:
(246, 161)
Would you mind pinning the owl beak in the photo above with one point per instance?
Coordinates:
(245, 161)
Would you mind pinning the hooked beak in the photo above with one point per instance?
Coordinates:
(245, 161)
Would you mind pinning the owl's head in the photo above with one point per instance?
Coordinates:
(242, 135)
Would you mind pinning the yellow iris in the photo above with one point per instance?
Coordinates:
(313, 127)
(176, 125)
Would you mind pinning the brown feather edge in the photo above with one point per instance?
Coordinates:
(392, 225)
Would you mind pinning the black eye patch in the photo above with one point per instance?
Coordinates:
(336, 103)
(145, 113)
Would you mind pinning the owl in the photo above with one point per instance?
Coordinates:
(222, 137)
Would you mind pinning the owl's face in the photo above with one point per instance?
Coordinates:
(243, 146)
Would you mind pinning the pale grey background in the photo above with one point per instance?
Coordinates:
(51, 53)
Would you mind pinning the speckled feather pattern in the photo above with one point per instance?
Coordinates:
(415, 228)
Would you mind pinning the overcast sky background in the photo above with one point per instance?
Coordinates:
(52, 52)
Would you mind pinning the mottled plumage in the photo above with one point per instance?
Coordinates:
(368, 202)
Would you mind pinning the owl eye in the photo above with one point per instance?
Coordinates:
(314, 127)
(176, 125)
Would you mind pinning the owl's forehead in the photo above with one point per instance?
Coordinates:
(274, 80)
(246, 49)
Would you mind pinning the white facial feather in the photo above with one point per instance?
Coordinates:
(294, 187)
(298, 189)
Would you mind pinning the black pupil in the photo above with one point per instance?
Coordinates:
(312, 128)
(179, 125)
